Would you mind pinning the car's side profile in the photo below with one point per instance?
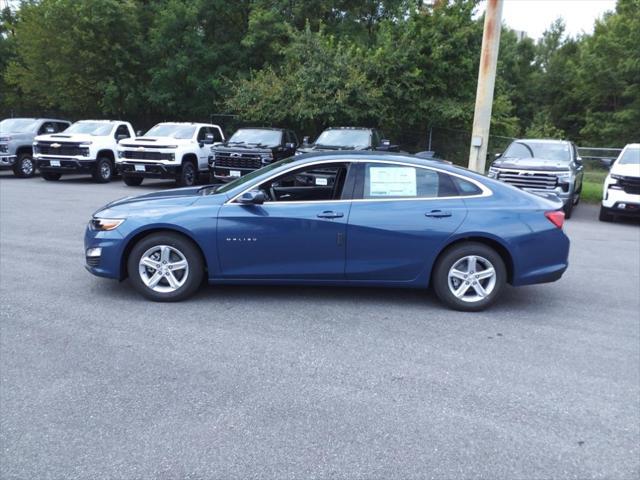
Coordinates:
(357, 218)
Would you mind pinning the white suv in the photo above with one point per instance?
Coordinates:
(180, 151)
(87, 146)
(621, 195)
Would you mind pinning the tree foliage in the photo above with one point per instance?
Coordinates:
(402, 65)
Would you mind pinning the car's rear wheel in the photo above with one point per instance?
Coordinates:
(187, 175)
(165, 267)
(469, 276)
(103, 170)
(51, 176)
(132, 181)
(25, 166)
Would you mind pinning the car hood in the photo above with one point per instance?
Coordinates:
(4, 135)
(61, 137)
(155, 141)
(626, 170)
(161, 202)
(314, 148)
(531, 164)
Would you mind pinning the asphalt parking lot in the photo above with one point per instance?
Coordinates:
(258, 382)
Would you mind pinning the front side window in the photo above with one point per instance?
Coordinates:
(308, 184)
(173, 130)
(122, 132)
(390, 181)
(96, 129)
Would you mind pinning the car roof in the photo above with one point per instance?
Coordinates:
(100, 121)
(349, 128)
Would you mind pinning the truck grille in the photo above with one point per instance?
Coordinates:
(540, 181)
(64, 149)
(139, 155)
(245, 160)
(630, 185)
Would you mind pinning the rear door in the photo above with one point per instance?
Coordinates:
(400, 218)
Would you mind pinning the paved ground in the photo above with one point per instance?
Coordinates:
(245, 382)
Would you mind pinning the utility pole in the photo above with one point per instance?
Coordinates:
(486, 83)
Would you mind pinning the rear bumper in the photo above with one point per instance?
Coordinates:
(151, 169)
(67, 165)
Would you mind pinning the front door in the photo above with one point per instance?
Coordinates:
(298, 233)
(401, 217)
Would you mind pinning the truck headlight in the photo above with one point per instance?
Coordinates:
(492, 173)
(613, 181)
(266, 158)
(105, 224)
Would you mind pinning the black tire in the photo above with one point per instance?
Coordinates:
(185, 247)
(132, 181)
(24, 167)
(213, 179)
(568, 207)
(447, 259)
(51, 176)
(604, 215)
(188, 175)
(103, 170)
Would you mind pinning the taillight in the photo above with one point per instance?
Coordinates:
(556, 217)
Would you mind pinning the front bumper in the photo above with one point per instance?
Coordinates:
(108, 262)
(614, 197)
(625, 209)
(227, 174)
(7, 161)
(65, 164)
(151, 169)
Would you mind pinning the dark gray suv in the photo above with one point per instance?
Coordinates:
(542, 166)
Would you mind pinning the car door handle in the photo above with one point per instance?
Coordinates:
(437, 214)
(330, 214)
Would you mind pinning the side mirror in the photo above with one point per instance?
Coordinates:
(579, 160)
(252, 197)
(290, 145)
(497, 155)
(608, 162)
(385, 142)
(305, 140)
(138, 133)
(122, 136)
(208, 139)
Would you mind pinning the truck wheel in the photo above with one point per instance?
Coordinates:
(568, 207)
(213, 179)
(165, 267)
(132, 181)
(604, 215)
(51, 176)
(24, 167)
(103, 170)
(188, 175)
(469, 276)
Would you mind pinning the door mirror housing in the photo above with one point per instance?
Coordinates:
(252, 197)
(579, 160)
(497, 155)
(139, 133)
(290, 145)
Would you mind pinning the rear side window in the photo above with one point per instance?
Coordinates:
(404, 181)
(465, 187)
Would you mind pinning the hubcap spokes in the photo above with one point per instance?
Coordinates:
(472, 278)
(27, 166)
(105, 170)
(163, 268)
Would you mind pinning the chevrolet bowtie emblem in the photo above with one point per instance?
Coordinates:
(55, 145)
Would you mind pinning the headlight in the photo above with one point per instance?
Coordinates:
(120, 154)
(105, 224)
(493, 172)
(613, 181)
(266, 158)
(84, 152)
(5, 139)
(616, 177)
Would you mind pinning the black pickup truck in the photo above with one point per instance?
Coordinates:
(348, 138)
(249, 149)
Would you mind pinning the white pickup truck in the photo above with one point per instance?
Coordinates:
(179, 151)
(87, 146)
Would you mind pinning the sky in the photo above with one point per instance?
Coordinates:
(535, 16)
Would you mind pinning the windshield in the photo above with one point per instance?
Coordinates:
(257, 136)
(97, 129)
(558, 151)
(631, 156)
(250, 176)
(18, 125)
(344, 138)
(172, 130)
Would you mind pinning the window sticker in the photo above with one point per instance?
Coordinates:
(321, 181)
(392, 182)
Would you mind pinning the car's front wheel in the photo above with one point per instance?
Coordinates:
(165, 267)
(25, 166)
(51, 176)
(469, 276)
(103, 170)
(132, 181)
(188, 175)
(604, 215)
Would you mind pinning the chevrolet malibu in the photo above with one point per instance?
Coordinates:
(353, 218)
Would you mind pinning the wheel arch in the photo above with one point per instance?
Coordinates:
(24, 149)
(190, 157)
(490, 242)
(135, 238)
(106, 153)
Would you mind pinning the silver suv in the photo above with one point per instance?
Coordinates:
(16, 139)
(542, 166)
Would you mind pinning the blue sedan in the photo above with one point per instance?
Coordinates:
(349, 218)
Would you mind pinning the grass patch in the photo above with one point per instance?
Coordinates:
(592, 185)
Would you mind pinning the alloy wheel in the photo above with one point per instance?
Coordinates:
(472, 278)
(27, 166)
(163, 268)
